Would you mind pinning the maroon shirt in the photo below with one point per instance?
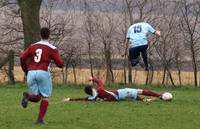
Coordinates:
(39, 55)
(104, 94)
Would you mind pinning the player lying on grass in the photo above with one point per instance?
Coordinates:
(113, 95)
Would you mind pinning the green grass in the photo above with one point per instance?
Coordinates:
(182, 113)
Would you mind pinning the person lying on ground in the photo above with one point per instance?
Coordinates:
(114, 95)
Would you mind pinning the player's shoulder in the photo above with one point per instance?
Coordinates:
(45, 43)
(131, 27)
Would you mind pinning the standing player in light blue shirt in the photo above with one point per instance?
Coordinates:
(137, 41)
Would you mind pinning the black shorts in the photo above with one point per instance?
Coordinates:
(134, 52)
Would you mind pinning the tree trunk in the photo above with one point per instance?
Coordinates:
(74, 73)
(179, 77)
(30, 10)
(66, 74)
(194, 64)
(129, 72)
(150, 74)
(178, 69)
(108, 62)
(170, 77)
(124, 69)
(11, 68)
(4, 61)
(90, 60)
(109, 72)
(164, 74)
(10, 60)
(89, 30)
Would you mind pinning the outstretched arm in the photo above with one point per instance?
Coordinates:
(157, 33)
(75, 99)
(98, 82)
(82, 99)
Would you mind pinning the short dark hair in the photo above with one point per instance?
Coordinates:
(44, 32)
(138, 20)
(88, 89)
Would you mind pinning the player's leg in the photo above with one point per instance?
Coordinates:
(144, 56)
(134, 56)
(148, 93)
(45, 89)
(29, 97)
(32, 94)
(127, 93)
(33, 89)
(42, 110)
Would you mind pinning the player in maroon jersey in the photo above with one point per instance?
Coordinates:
(113, 95)
(35, 62)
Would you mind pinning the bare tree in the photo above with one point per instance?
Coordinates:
(105, 27)
(167, 44)
(104, 30)
(11, 36)
(190, 12)
(72, 57)
(30, 10)
(128, 13)
(88, 32)
(62, 26)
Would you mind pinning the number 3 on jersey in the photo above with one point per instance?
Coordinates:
(38, 55)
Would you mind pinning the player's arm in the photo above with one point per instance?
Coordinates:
(90, 98)
(126, 43)
(23, 60)
(98, 82)
(57, 58)
(128, 35)
(152, 30)
(75, 99)
(158, 33)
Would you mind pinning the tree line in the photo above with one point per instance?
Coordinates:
(95, 30)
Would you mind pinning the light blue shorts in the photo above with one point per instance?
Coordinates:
(39, 82)
(127, 93)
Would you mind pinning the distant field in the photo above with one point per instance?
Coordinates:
(182, 113)
(138, 76)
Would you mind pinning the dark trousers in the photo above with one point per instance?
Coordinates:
(134, 54)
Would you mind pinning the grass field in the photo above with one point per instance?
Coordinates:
(182, 113)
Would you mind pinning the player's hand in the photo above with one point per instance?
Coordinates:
(158, 33)
(149, 99)
(90, 78)
(99, 99)
(66, 99)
